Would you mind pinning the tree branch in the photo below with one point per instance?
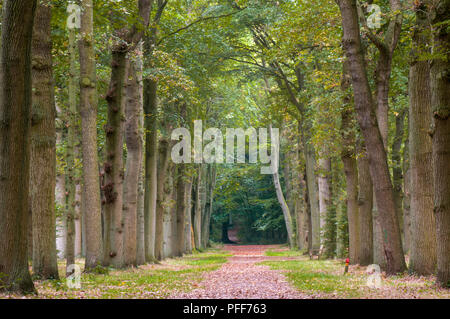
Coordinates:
(198, 21)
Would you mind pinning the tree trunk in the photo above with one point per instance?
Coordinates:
(301, 216)
(60, 193)
(188, 216)
(43, 149)
(78, 220)
(324, 182)
(113, 166)
(151, 163)
(70, 153)
(140, 236)
(198, 208)
(314, 235)
(365, 205)
(423, 233)
(407, 198)
(125, 41)
(208, 210)
(172, 211)
(15, 115)
(440, 104)
(397, 172)
(282, 201)
(164, 152)
(88, 111)
(379, 170)
(134, 159)
(350, 169)
(285, 209)
(181, 211)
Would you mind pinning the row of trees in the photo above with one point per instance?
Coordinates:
(137, 206)
(364, 130)
(382, 147)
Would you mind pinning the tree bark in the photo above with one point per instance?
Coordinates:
(379, 170)
(43, 148)
(78, 220)
(407, 198)
(164, 152)
(88, 111)
(140, 236)
(181, 211)
(125, 41)
(365, 205)
(312, 196)
(397, 172)
(188, 216)
(133, 111)
(113, 166)
(151, 162)
(326, 225)
(198, 208)
(423, 233)
(70, 153)
(15, 115)
(440, 104)
(207, 204)
(348, 156)
(282, 201)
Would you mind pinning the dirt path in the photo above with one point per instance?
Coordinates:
(240, 278)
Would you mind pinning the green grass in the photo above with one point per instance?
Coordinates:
(147, 281)
(319, 277)
(284, 253)
(210, 257)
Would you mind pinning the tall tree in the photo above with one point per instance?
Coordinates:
(197, 220)
(124, 41)
(133, 111)
(365, 205)
(88, 111)
(350, 168)
(423, 233)
(364, 105)
(15, 116)
(151, 164)
(281, 200)
(71, 141)
(325, 201)
(151, 137)
(164, 151)
(43, 147)
(440, 106)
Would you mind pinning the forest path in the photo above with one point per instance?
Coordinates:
(240, 277)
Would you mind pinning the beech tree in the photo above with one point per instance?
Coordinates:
(440, 106)
(364, 105)
(43, 148)
(88, 114)
(423, 233)
(15, 114)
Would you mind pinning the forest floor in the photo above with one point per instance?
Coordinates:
(239, 271)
